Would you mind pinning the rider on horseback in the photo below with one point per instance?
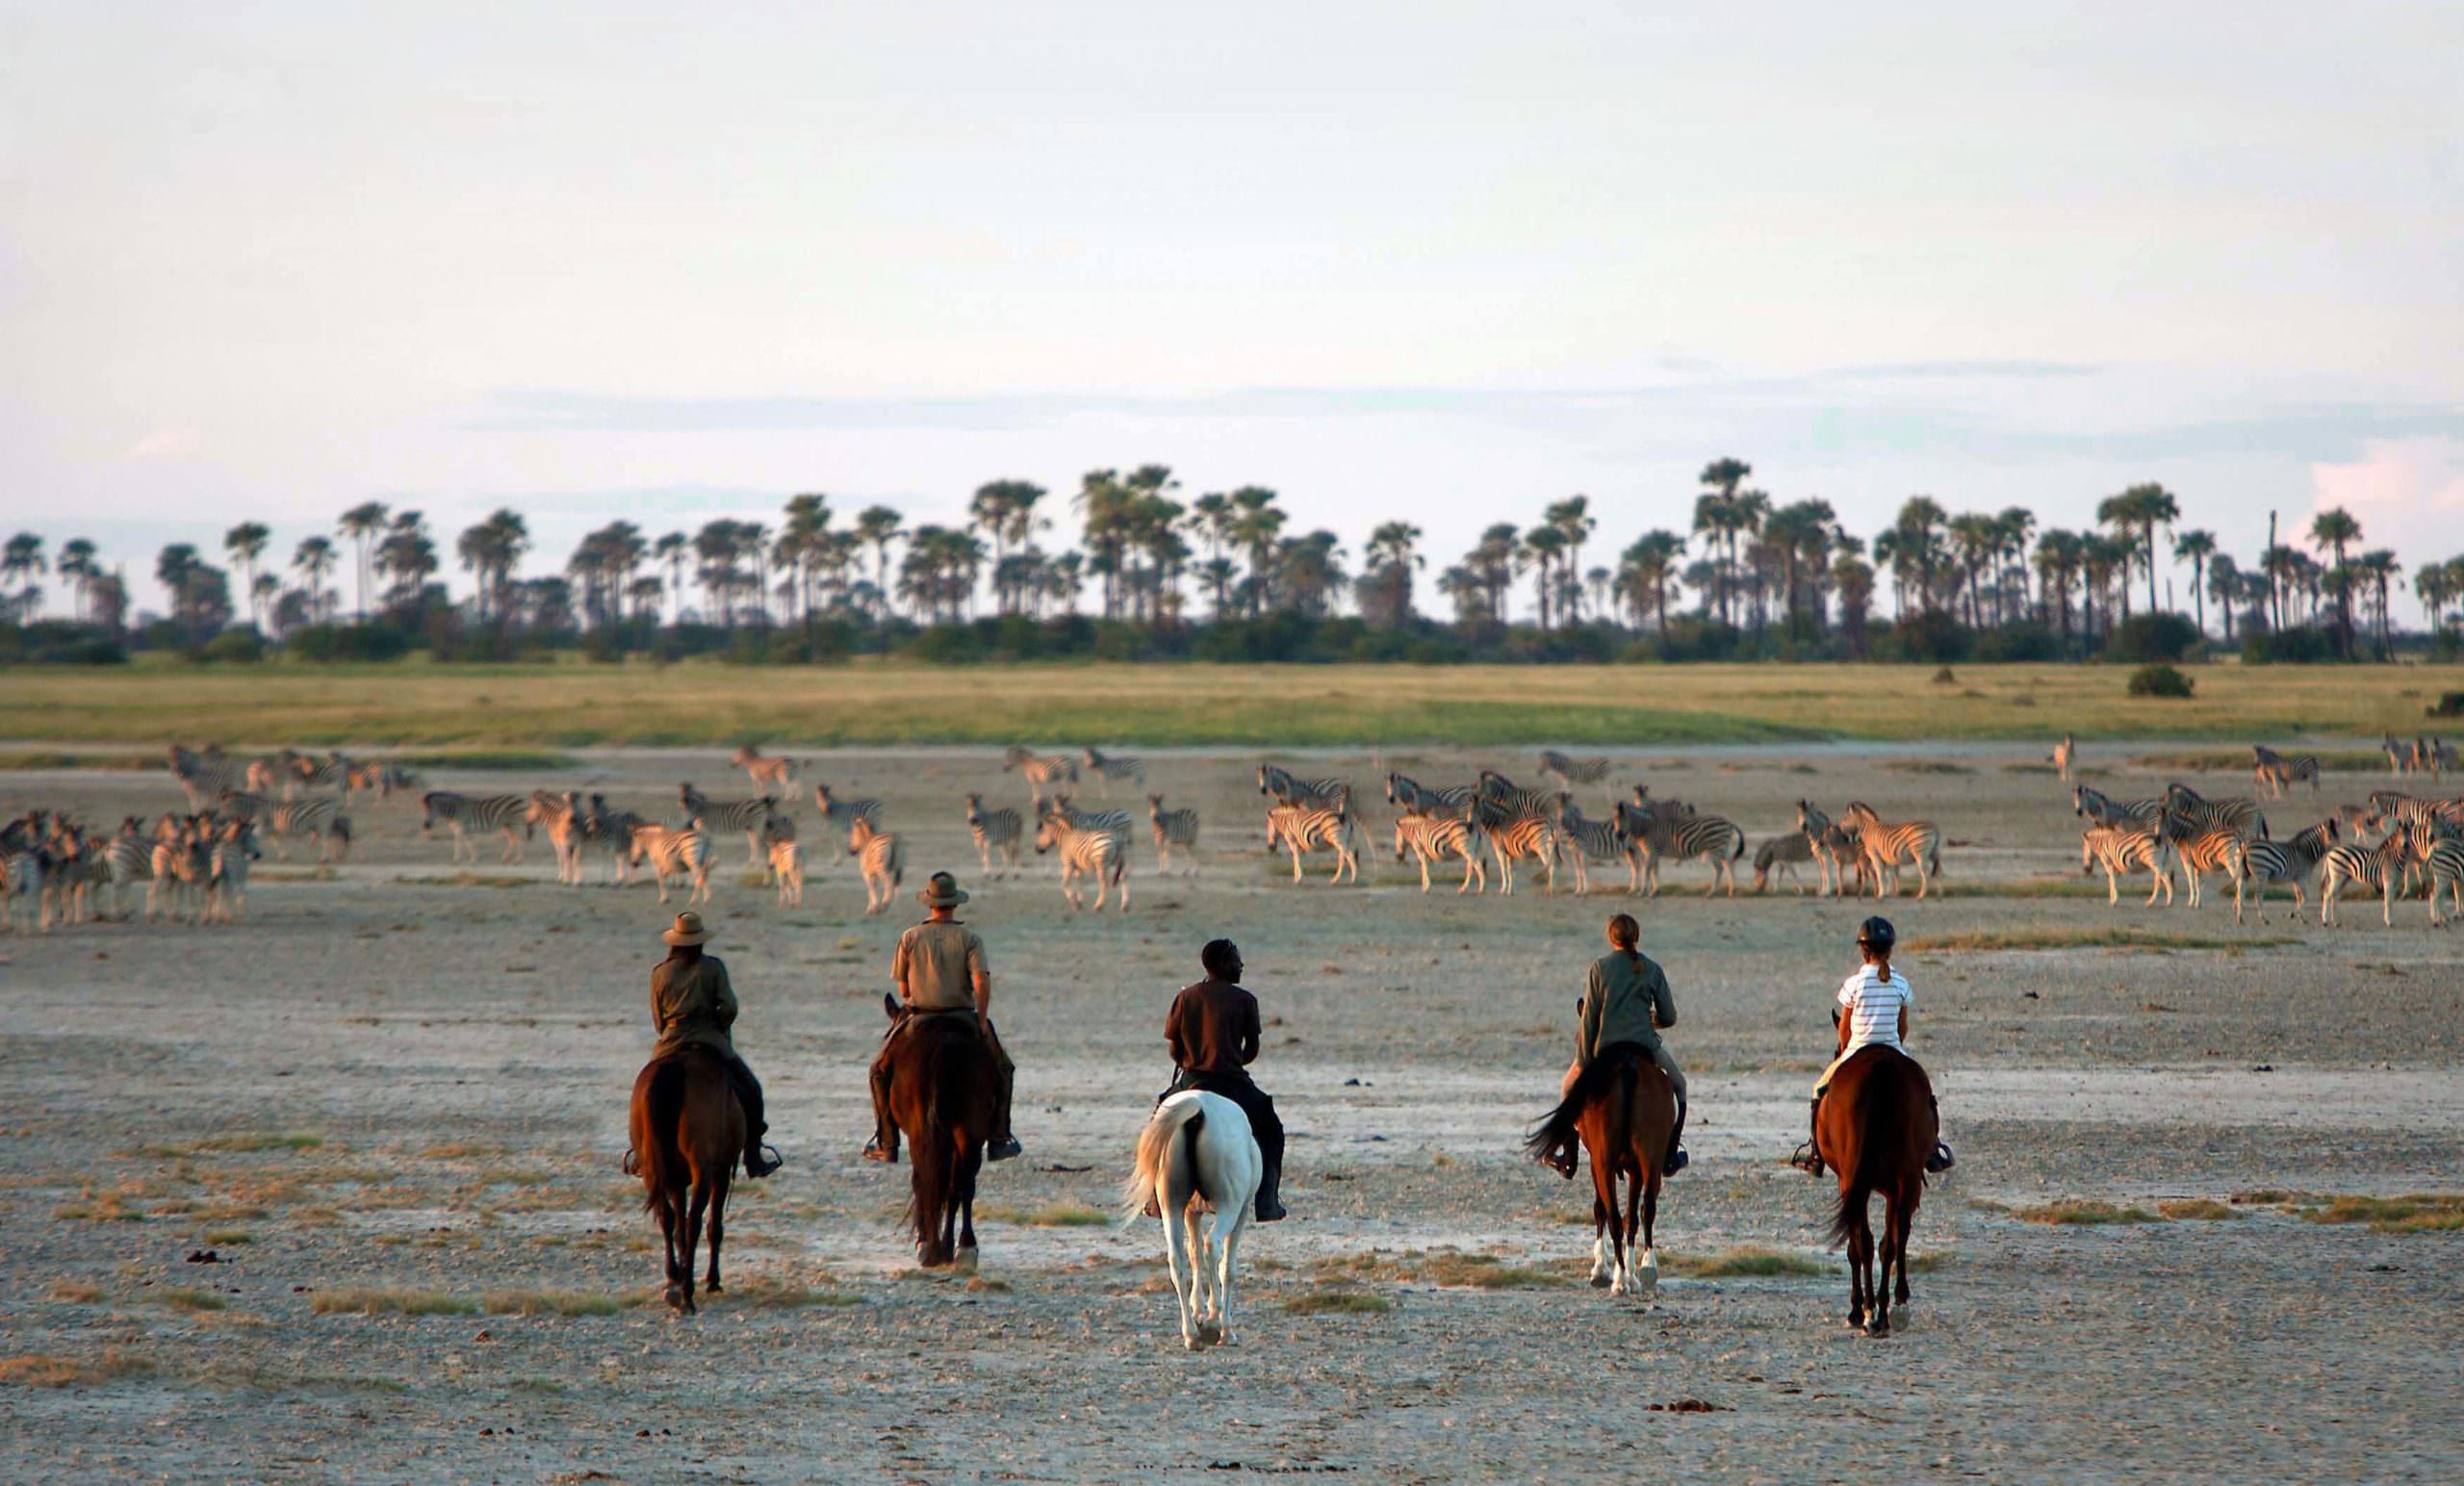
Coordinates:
(1625, 999)
(1873, 1010)
(1213, 1032)
(693, 1006)
(940, 970)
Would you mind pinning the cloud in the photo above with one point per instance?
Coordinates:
(164, 444)
(2408, 493)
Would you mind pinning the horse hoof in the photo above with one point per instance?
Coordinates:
(676, 1297)
(1600, 1279)
(1209, 1333)
(965, 1260)
(1878, 1327)
(712, 1287)
(1189, 1342)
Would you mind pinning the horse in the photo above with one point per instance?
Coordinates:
(1876, 1130)
(1622, 1108)
(944, 1093)
(1196, 1155)
(688, 1133)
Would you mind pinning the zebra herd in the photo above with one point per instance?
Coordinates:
(2393, 845)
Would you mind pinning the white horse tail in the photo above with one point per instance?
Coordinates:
(1155, 1148)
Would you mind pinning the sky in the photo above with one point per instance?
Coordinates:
(1442, 262)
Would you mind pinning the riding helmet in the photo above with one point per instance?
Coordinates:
(1878, 933)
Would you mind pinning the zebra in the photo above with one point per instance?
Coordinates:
(331, 772)
(1436, 837)
(1300, 828)
(2093, 804)
(2437, 755)
(1110, 767)
(86, 872)
(477, 814)
(2121, 851)
(671, 852)
(1043, 770)
(615, 828)
(319, 817)
(787, 865)
(264, 776)
(2382, 866)
(1097, 854)
(567, 828)
(2204, 848)
(993, 829)
(25, 882)
(1114, 821)
(1787, 853)
(241, 805)
(131, 858)
(2445, 866)
(2276, 775)
(1589, 841)
(1836, 851)
(2289, 861)
(1173, 829)
(1419, 798)
(769, 775)
(1513, 837)
(882, 857)
(1713, 839)
(748, 816)
(180, 868)
(2239, 817)
(1538, 803)
(2065, 751)
(1571, 772)
(1890, 845)
(203, 775)
(226, 880)
(838, 814)
(2399, 755)
(1289, 788)
(385, 779)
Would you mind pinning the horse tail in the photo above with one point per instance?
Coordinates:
(659, 1099)
(1155, 1153)
(935, 1155)
(1551, 1143)
(1872, 1153)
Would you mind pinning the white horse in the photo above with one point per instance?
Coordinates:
(1199, 1163)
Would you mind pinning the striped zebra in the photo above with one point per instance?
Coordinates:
(226, 878)
(1114, 821)
(995, 830)
(2203, 848)
(265, 776)
(748, 816)
(769, 775)
(2437, 757)
(383, 780)
(331, 772)
(181, 866)
(1635, 817)
(1289, 788)
(2400, 755)
(837, 815)
(474, 815)
(1174, 831)
(241, 805)
(2276, 775)
(787, 867)
(2239, 817)
(2065, 751)
(2121, 849)
(882, 857)
(1096, 853)
(1784, 853)
(614, 829)
(1514, 838)
(25, 879)
(1570, 772)
(2094, 805)
(131, 859)
(1108, 767)
(1713, 839)
(2445, 868)
(672, 852)
(1890, 845)
(85, 876)
(2292, 863)
(1436, 837)
(1589, 841)
(1043, 771)
(1302, 829)
(319, 817)
(1836, 850)
(203, 775)
(2382, 866)
(1538, 804)
(1417, 799)
(568, 827)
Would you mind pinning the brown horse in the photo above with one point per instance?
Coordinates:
(1876, 1130)
(688, 1133)
(945, 1092)
(1622, 1108)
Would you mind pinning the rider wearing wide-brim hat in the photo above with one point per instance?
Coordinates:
(940, 968)
(693, 1007)
(1872, 1012)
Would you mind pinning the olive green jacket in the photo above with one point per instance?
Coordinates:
(692, 1005)
(1624, 1000)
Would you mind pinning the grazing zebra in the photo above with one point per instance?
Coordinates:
(2276, 775)
(1836, 851)
(2399, 755)
(567, 828)
(471, 815)
(2289, 861)
(319, 817)
(226, 880)
(1787, 853)
(1108, 767)
(2239, 817)
(1043, 770)
(1436, 837)
(1570, 772)
(882, 857)
(2121, 851)
(2065, 751)
(1300, 828)
(1589, 841)
(671, 852)
(1289, 788)
(994, 830)
(331, 772)
(204, 774)
(1114, 821)
(614, 828)
(787, 865)
(838, 814)
(1175, 830)
(1538, 804)
(748, 816)
(2383, 867)
(2445, 866)
(1097, 854)
(1890, 845)
(2093, 804)
(769, 775)
(1419, 798)
(1513, 838)
(2202, 849)
(386, 780)
(1713, 839)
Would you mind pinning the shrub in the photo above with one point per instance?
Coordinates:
(2152, 637)
(2159, 681)
(2303, 646)
(244, 646)
(2451, 704)
(326, 643)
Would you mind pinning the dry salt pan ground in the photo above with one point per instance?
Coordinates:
(391, 1106)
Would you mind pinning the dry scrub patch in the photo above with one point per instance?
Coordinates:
(2415, 1213)
(1743, 1262)
(553, 1302)
(38, 1369)
(76, 1291)
(2083, 1212)
(2117, 936)
(1337, 1301)
(259, 1141)
(1444, 1268)
(2196, 1210)
(1052, 1214)
(391, 1302)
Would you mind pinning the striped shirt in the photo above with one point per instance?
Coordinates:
(1874, 1005)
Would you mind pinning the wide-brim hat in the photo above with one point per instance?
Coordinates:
(687, 930)
(941, 891)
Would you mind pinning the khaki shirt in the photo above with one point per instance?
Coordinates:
(936, 966)
(1623, 1001)
(692, 1004)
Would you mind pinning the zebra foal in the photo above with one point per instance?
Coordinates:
(883, 858)
(1107, 768)
(1174, 831)
(995, 830)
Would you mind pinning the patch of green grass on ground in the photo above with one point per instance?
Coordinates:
(371, 1302)
(2086, 1211)
(1743, 1262)
(29, 759)
(1052, 1214)
(2117, 936)
(1337, 1300)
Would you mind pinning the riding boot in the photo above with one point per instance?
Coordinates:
(1004, 1144)
(1270, 1183)
(1810, 1156)
(1677, 1158)
(1942, 1160)
(883, 1146)
(747, 1094)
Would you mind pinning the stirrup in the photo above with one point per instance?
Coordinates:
(1004, 1148)
(1677, 1160)
(1942, 1160)
(875, 1150)
(762, 1159)
(1807, 1159)
(632, 1162)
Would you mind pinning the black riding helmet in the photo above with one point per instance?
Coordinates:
(1877, 933)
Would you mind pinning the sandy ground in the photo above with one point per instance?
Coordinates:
(460, 1048)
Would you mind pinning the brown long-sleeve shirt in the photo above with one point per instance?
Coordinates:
(1212, 1028)
(692, 1003)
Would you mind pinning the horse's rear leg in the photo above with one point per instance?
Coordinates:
(1601, 1274)
(718, 1230)
(1903, 1222)
(1179, 1240)
(669, 1220)
(1227, 1241)
(1879, 1323)
(1647, 1270)
(692, 1241)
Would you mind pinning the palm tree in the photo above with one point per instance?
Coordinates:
(2434, 583)
(1573, 520)
(2377, 571)
(19, 562)
(1385, 589)
(1978, 538)
(407, 557)
(1799, 535)
(1855, 579)
(1255, 523)
(2225, 582)
(670, 550)
(877, 526)
(2138, 512)
(2196, 547)
(2057, 558)
(313, 559)
(2333, 530)
(1645, 570)
(175, 569)
(1543, 546)
(1212, 516)
(806, 522)
(1719, 518)
(361, 524)
(247, 542)
(77, 564)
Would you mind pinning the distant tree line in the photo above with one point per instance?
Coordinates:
(1225, 575)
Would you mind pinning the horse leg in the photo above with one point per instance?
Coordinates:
(1650, 1272)
(1642, 1270)
(718, 1230)
(1880, 1324)
(693, 1238)
(965, 1204)
(1902, 1221)
(1179, 1240)
(1857, 1234)
(1599, 1243)
(670, 1218)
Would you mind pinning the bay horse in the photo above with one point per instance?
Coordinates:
(944, 1093)
(1197, 1156)
(1876, 1130)
(688, 1133)
(1622, 1108)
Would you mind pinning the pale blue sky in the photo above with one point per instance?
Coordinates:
(1443, 260)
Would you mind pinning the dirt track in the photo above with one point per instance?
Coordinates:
(462, 1051)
